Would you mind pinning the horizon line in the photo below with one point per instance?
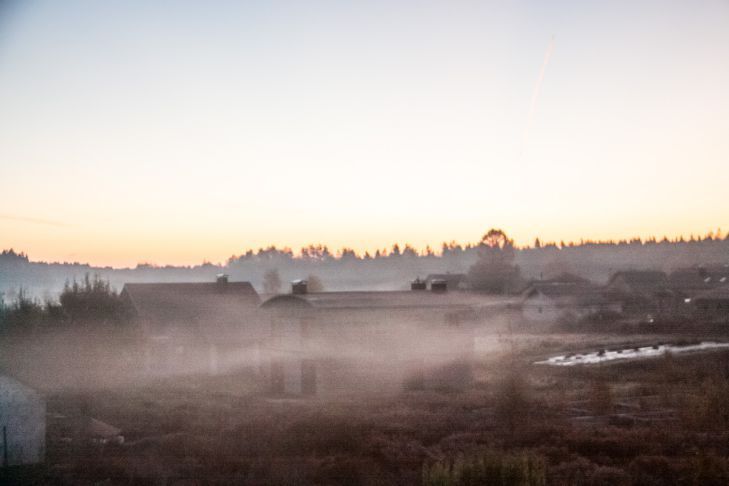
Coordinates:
(388, 251)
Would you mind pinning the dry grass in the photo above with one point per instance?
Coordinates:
(202, 430)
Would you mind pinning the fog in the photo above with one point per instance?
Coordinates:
(344, 270)
(213, 380)
(384, 353)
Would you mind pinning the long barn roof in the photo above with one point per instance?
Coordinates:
(208, 308)
(365, 300)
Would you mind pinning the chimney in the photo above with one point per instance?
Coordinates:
(221, 279)
(438, 285)
(298, 287)
(418, 284)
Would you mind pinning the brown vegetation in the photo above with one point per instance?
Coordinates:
(658, 421)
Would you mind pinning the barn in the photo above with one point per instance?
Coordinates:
(201, 326)
(370, 341)
(22, 424)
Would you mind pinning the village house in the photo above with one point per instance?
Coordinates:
(329, 342)
(22, 424)
(641, 292)
(454, 281)
(187, 327)
(688, 282)
(566, 297)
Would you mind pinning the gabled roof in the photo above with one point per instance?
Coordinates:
(207, 307)
(564, 279)
(699, 278)
(567, 292)
(641, 279)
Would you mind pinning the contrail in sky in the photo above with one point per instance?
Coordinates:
(47, 222)
(535, 94)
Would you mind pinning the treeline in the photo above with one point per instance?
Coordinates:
(393, 268)
(387, 268)
(321, 252)
(90, 301)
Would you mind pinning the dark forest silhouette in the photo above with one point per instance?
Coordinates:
(387, 268)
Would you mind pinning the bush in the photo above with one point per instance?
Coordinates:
(92, 299)
(512, 401)
(24, 314)
(493, 468)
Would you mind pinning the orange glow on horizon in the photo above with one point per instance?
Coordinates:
(119, 254)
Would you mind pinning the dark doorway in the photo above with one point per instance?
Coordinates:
(308, 377)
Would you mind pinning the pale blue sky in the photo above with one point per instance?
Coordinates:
(177, 131)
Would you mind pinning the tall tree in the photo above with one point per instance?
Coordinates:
(494, 271)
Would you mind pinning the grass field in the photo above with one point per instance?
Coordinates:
(658, 421)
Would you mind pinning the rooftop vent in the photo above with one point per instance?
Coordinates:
(299, 287)
(438, 285)
(418, 284)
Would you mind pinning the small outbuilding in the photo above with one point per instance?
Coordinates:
(22, 424)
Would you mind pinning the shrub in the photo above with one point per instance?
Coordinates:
(24, 314)
(512, 401)
(92, 299)
(493, 468)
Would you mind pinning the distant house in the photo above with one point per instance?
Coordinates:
(22, 424)
(641, 291)
(713, 304)
(329, 342)
(552, 300)
(645, 282)
(195, 326)
(694, 280)
(453, 281)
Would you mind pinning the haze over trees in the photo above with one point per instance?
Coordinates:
(271, 282)
(388, 268)
(90, 301)
(314, 284)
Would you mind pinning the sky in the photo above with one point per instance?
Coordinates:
(177, 132)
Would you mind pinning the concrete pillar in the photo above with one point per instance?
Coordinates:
(213, 362)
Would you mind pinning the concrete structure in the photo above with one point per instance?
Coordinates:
(187, 327)
(333, 342)
(22, 424)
